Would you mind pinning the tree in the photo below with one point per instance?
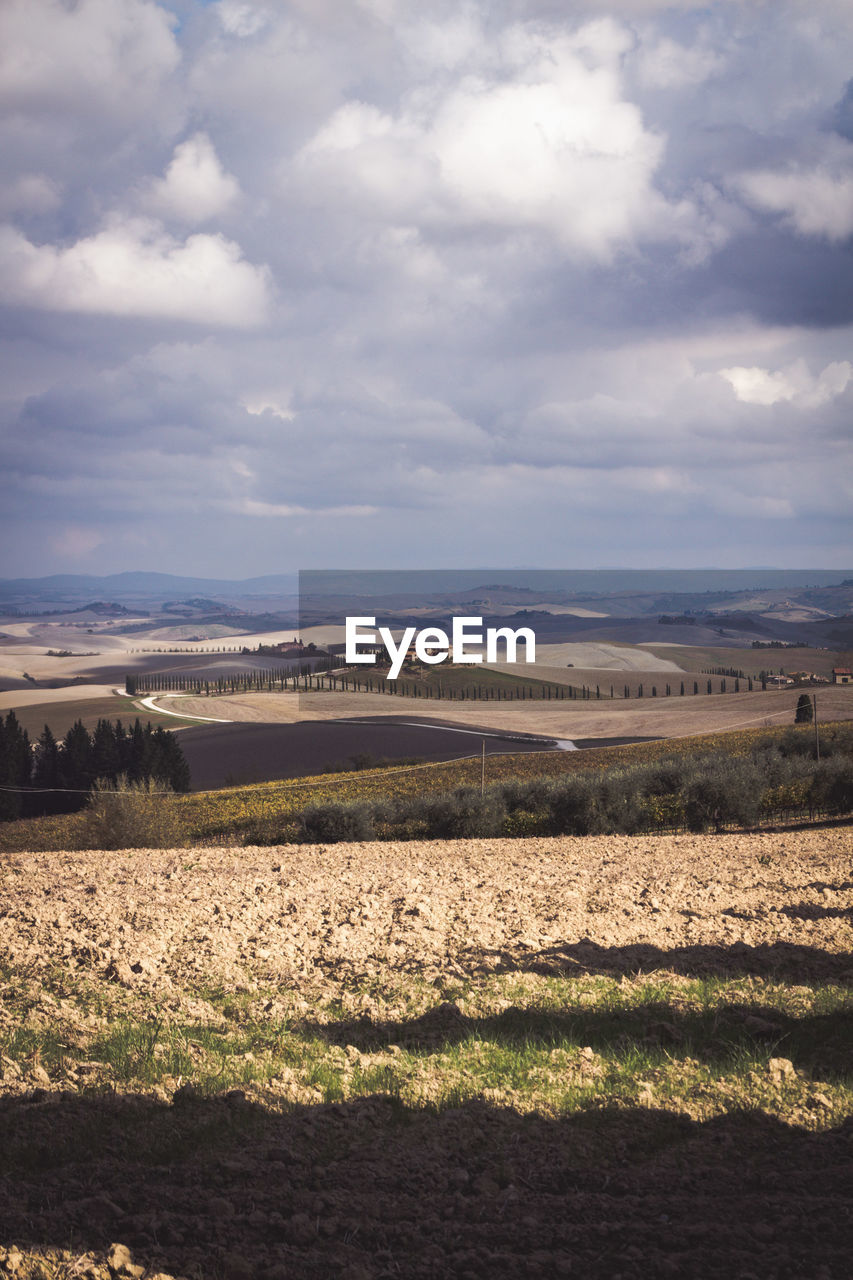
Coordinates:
(15, 766)
(47, 777)
(77, 759)
(804, 714)
(168, 762)
(106, 757)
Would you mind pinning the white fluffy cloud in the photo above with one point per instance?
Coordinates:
(545, 140)
(134, 269)
(794, 384)
(195, 187)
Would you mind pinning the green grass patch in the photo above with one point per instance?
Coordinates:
(554, 1045)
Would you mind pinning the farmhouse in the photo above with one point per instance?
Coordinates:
(842, 675)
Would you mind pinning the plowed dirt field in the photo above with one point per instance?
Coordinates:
(601, 1057)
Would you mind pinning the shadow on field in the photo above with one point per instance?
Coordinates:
(810, 911)
(224, 1187)
(821, 1044)
(775, 961)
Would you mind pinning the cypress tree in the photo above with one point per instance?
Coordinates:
(77, 758)
(138, 760)
(15, 766)
(804, 713)
(106, 759)
(47, 776)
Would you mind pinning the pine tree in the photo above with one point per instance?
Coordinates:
(47, 763)
(76, 768)
(137, 754)
(15, 766)
(47, 776)
(106, 758)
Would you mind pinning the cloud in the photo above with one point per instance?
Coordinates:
(134, 269)
(93, 54)
(670, 65)
(29, 193)
(794, 385)
(545, 141)
(532, 281)
(195, 187)
(257, 407)
(276, 510)
(814, 201)
(241, 19)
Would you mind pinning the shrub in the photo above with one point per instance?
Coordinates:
(530, 796)
(465, 813)
(831, 789)
(796, 742)
(723, 791)
(573, 808)
(129, 815)
(619, 803)
(331, 823)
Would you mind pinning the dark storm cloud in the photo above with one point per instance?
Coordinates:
(526, 281)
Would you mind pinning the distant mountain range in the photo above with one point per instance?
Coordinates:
(813, 594)
(137, 588)
(136, 583)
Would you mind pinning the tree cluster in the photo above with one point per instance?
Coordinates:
(56, 776)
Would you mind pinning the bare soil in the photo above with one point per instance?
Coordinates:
(269, 1183)
(751, 902)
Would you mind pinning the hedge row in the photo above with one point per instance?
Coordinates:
(707, 792)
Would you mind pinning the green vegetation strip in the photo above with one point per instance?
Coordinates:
(737, 779)
(552, 1045)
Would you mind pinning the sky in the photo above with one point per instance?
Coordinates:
(413, 283)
